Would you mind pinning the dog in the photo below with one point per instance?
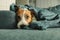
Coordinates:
(24, 16)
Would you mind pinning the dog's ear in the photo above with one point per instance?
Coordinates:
(34, 13)
(30, 9)
(16, 8)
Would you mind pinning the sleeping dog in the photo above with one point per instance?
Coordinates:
(24, 16)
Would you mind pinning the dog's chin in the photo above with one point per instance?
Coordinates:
(22, 26)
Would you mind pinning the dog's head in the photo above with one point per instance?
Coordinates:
(24, 16)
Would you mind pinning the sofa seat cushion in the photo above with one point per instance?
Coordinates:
(49, 34)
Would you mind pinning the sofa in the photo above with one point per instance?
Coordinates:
(9, 30)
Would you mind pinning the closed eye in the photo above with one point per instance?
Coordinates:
(26, 16)
(19, 17)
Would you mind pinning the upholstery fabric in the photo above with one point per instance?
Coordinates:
(7, 20)
(17, 34)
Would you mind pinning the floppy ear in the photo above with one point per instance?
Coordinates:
(14, 7)
(33, 10)
(34, 13)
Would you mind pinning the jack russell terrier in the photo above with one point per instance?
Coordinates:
(24, 16)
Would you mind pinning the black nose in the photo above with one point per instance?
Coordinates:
(22, 26)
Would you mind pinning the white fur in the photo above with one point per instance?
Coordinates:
(22, 21)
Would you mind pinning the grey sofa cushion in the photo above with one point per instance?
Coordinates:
(7, 20)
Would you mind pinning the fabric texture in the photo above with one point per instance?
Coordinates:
(18, 34)
(7, 20)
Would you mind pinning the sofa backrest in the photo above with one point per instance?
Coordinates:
(7, 20)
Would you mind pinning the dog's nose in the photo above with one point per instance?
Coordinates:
(22, 26)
